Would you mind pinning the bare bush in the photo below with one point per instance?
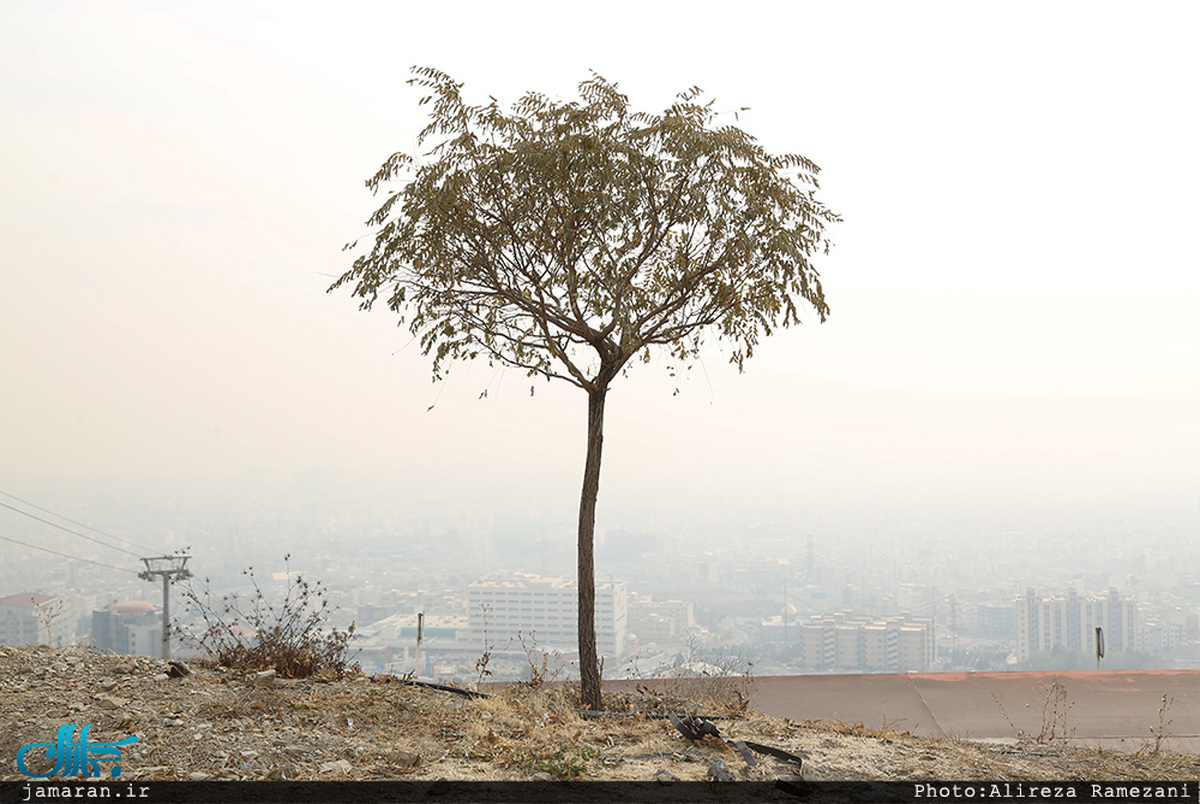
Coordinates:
(289, 637)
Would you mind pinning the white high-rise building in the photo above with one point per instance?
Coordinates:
(544, 609)
(1071, 621)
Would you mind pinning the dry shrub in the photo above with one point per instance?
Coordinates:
(288, 637)
(703, 683)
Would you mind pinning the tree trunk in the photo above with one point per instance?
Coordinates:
(589, 665)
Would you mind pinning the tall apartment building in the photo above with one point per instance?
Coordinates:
(1070, 622)
(847, 642)
(505, 606)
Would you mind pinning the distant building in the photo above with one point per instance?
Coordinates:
(918, 599)
(780, 628)
(995, 621)
(660, 622)
(544, 609)
(1158, 636)
(133, 628)
(845, 642)
(24, 617)
(1070, 622)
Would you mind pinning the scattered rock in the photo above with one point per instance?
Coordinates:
(339, 766)
(265, 678)
(719, 772)
(221, 725)
(105, 701)
(406, 759)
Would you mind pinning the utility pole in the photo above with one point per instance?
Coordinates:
(166, 567)
(420, 637)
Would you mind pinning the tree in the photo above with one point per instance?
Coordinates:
(566, 238)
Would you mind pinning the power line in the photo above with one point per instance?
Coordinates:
(141, 547)
(67, 555)
(68, 530)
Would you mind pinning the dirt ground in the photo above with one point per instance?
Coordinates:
(218, 724)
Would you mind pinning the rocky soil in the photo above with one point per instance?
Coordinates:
(217, 724)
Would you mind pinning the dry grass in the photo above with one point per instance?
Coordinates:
(224, 724)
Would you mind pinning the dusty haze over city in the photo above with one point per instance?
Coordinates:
(1011, 357)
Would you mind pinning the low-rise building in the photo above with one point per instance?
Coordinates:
(845, 642)
(22, 617)
(133, 627)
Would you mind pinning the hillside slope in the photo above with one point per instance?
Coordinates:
(217, 724)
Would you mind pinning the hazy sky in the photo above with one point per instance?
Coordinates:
(1014, 289)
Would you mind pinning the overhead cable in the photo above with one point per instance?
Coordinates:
(68, 555)
(68, 530)
(142, 547)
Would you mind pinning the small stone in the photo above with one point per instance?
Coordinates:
(663, 775)
(198, 776)
(110, 701)
(250, 754)
(125, 668)
(336, 766)
(406, 759)
(281, 772)
(719, 772)
(542, 776)
(152, 770)
(265, 678)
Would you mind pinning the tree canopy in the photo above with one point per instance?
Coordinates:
(565, 238)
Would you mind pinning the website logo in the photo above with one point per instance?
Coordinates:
(72, 757)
